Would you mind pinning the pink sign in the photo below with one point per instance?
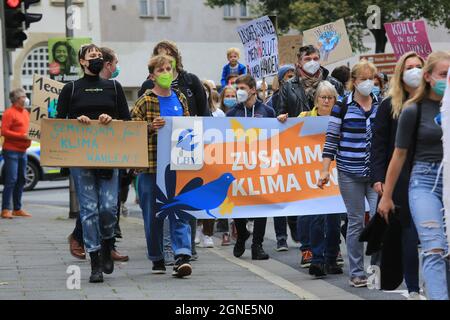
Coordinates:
(408, 36)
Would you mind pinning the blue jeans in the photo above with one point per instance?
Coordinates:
(180, 231)
(280, 225)
(427, 212)
(15, 167)
(354, 191)
(98, 205)
(325, 235)
(303, 229)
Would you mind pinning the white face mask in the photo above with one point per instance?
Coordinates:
(27, 102)
(412, 77)
(365, 87)
(242, 96)
(311, 67)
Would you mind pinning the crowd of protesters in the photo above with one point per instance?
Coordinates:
(382, 133)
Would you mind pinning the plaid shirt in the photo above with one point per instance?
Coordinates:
(146, 108)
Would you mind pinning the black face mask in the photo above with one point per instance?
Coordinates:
(95, 65)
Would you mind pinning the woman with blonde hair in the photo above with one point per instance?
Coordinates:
(404, 83)
(348, 140)
(418, 131)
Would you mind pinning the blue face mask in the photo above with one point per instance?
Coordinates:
(439, 87)
(116, 73)
(376, 90)
(230, 102)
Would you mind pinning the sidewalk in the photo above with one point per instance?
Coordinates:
(34, 259)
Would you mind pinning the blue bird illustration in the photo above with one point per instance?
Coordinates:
(185, 141)
(205, 197)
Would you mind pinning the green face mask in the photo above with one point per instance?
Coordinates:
(164, 80)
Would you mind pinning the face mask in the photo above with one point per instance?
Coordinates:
(439, 87)
(95, 65)
(242, 96)
(412, 77)
(27, 102)
(230, 102)
(164, 80)
(116, 73)
(376, 90)
(365, 87)
(311, 67)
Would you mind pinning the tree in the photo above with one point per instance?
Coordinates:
(304, 15)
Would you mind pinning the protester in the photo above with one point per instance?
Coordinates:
(161, 101)
(378, 86)
(86, 99)
(342, 74)
(285, 73)
(215, 111)
(14, 127)
(324, 229)
(110, 70)
(232, 67)
(228, 98)
(405, 81)
(250, 106)
(348, 140)
(297, 95)
(419, 132)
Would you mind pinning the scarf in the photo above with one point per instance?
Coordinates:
(310, 83)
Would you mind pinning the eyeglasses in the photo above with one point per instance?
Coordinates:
(326, 97)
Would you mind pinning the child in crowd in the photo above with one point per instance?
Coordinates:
(233, 66)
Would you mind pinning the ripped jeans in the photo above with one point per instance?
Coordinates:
(98, 205)
(427, 212)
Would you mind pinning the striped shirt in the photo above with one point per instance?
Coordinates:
(349, 137)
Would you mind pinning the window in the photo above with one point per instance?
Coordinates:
(36, 62)
(162, 9)
(244, 10)
(145, 8)
(228, 11)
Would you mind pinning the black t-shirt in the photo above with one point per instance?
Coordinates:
(92, 96)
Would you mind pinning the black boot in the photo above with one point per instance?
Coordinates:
(108, 263)
(96, 267)
(258, 253)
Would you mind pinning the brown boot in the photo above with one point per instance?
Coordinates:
(76, 249)
(116, 256)
(21, 213)
(6, 214)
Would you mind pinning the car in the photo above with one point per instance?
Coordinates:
(35, 172)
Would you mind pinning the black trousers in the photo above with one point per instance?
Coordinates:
(259, 229)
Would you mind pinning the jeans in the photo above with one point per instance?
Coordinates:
(180, 231)
(259, 230)
(427, 212)
(15, 167)
(98, 206)
(303, 230)
(325, 235)
(354, 191)
(280, 225)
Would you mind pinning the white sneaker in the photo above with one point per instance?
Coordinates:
(198, 235)
(414, 296)
(207, 242)
(250, 225)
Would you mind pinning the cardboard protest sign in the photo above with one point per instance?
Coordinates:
(408, 36)
(445, 110)
(260, 42)
(43, 104)
(69, 143)
(247, 167)
(288, 48)
(385, 62)
(63, 58)
(332, 41)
